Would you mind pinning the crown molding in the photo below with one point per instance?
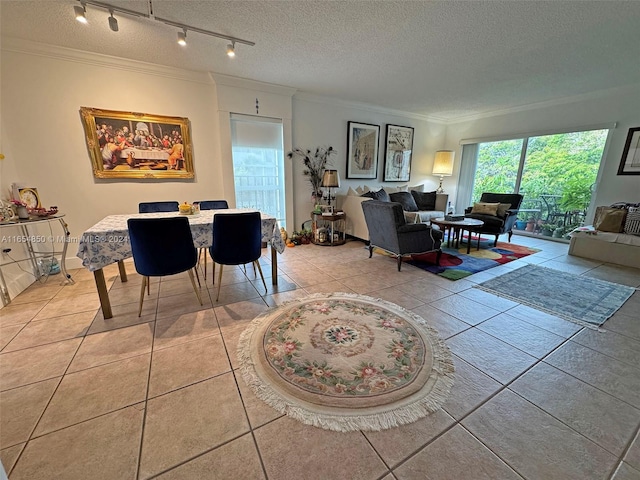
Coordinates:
(11, 44)
(310, 97)
(230, 81)
(548, 103)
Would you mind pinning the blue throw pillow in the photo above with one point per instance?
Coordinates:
(379, 195)
(406, 200)
(425, 201)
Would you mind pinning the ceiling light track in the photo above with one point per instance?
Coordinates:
(113, 23)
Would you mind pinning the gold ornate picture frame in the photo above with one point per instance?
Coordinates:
(137, 145)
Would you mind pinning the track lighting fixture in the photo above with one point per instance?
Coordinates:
(80, 13)
(182, 38)
(113, 22)
(231, 49)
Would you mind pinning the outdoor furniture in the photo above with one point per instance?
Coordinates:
(389, 231)
(554, 212)
(495, 224)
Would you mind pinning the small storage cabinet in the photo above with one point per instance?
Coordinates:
(328, 229)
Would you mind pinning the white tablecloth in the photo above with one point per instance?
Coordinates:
(108, 240)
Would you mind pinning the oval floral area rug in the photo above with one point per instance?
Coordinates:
(346, 362)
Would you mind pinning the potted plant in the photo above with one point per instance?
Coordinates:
(547, 229)
(314, 166)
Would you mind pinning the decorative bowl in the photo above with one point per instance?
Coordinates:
(43, 212)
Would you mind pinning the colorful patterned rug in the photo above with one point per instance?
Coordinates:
(346, 362)
(583, 300)
(456, 264)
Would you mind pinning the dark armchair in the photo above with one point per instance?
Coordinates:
(498, 224)
(389, 231)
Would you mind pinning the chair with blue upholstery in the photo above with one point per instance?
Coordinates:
(152, 207)
(213, 204)
(237, 240)
(210, 205)
(162, 246)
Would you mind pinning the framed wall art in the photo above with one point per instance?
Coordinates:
(397, 153)
(362, 150)
(137, 145)
(630, 162)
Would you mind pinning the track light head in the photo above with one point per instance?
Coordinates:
(231, 49)
(80, 13)
(113, 22)
(182, 38)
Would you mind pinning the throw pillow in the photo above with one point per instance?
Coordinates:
(352, 193)
(609, 219)
(379, 195)
(406, 200)
(425, 200)
(502, 209)
(360, 190)
(417, 188)
(485, 208)
(632, 223)
(391, 190)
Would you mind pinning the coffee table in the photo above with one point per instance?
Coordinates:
(458, 228)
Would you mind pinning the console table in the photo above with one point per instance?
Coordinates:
(21, 231)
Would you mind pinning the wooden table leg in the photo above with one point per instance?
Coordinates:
(274, 266)
(123, 271)
(468, 242)
(101, 285)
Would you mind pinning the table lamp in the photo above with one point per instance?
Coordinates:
(443, 166)
(330, 179)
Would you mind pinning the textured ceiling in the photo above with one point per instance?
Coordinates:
(443, 59)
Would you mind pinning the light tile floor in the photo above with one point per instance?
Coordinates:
(158, 397)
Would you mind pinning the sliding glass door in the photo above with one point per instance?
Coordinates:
(555, 173)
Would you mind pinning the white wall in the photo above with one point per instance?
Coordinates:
(621, 106)
(323, 122)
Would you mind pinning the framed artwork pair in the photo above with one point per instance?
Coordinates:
(362, 152)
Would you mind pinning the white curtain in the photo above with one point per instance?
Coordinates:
(467, 175)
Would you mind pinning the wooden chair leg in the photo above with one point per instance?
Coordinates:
(370, 251)
(148, 286)
(193, 282)
(205, 266)
(256, 262)
(145, 280)
(510, 233)
(399, 262)
(438, 255)
(195, 269)
(219, 282)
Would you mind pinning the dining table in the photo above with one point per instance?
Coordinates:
(107, 242)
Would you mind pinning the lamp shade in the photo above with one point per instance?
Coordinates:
(443, 164)
(331, 179)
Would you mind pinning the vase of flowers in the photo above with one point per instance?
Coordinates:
(314, 166)
(21, 209)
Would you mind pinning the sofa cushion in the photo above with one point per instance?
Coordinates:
(608, 219)
(352, 192)
(512, 198)
(485, 208)
(424, 200)
(502, 209)
(417, 188)
(379, 195)
(406, 200)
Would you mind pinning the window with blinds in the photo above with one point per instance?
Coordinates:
(258, 164)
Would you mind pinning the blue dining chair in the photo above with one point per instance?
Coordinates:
(210, 205)
(213, 204)
(237, 240)
(152, 207)
(162, 246)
